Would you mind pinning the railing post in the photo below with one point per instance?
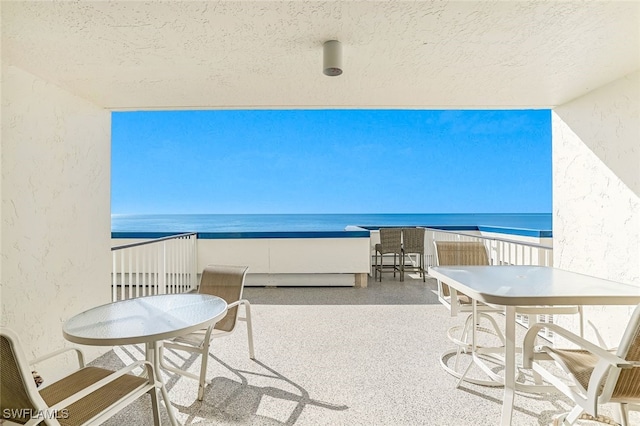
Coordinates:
(145, 281)
(162, 270)
(137, 293)
(193, 273)
(114, 276)
(122, 275)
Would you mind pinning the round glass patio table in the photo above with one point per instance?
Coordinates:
(148, 320)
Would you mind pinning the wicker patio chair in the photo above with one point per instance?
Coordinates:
(226, 282)
(390, 243)
(596, 375)
(413, 244)
(90, 395)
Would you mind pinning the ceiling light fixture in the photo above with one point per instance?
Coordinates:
(332, 61)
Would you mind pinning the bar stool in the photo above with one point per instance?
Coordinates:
(413, 243)
(390, 242)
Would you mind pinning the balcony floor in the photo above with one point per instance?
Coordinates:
(336, 356)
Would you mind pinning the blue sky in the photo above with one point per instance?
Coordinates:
(331, 161)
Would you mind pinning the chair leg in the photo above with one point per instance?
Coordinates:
(375, 265)
(247, 307)
(394, 264)
(624, 414)
(537, 377)
(463, 338)
(175, 370)
(154, 406)
(573, 416)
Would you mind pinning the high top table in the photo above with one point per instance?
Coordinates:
(512, 286)
(148, 320)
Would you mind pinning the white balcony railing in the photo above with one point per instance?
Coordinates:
(507, 250)
(158, 266)
(501, 251)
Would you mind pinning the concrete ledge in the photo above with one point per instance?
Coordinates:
(352, 232)
(525, 232)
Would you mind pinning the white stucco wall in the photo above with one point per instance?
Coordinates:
(596, 190)
(288, 255)
(55, 209)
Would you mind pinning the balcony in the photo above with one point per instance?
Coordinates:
(337, 356)
(331, 354)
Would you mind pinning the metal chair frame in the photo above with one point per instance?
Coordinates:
(611, 376)
(17, 379)
(216, 280)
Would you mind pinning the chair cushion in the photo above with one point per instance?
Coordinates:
(13, 393)
(578, 362)
(94, 403)
(227, 282)
(464, 299)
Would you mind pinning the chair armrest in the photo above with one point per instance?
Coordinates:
(247, 307)
(102, 382)
(78, 351)
(237, 303)
(529, 339)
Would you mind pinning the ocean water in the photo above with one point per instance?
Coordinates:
(317, 222)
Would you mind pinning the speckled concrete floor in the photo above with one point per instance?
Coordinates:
(336, 356)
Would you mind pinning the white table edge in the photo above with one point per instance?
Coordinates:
(87, 341)
(497, 300)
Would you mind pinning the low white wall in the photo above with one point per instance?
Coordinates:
(274, 256)
(301, 280)
(596, 191)
(55, 209)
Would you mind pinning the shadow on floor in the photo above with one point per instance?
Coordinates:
(280, 401)
(226, 399)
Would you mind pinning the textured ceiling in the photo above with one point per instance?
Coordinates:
(268, 54)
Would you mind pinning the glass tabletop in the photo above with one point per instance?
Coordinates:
(144, 319)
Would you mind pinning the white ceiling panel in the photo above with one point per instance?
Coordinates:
(268, 54)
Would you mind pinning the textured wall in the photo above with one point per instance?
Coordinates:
(596, 189)
(55, 208)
